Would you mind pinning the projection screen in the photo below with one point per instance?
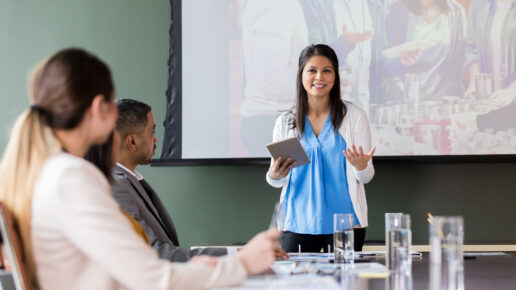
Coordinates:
(435, 77)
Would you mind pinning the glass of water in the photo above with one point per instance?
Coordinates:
(484, 85)
(399, 281)
(446, 253)
(343, 243)
(398, 242)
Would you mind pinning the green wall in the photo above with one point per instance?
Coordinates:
(227, 204)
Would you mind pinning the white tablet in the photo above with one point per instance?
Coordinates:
(290, 147)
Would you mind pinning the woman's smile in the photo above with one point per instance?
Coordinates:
(318, 76)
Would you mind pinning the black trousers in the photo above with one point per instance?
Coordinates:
(290, 241)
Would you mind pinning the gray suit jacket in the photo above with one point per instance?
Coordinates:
(146, 207)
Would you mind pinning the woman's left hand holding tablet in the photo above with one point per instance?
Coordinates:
(358, 158)
(281, 168)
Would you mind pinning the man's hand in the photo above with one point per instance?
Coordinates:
(355, 37)
(258, 254)
(280, 253)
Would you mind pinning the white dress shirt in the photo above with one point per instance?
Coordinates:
(134, 173)
(355, 15)
(273, 35)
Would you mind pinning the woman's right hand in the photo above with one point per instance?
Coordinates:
(281, 168)
(258, 254)
(409, 57)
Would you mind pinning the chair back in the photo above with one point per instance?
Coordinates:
(12, 249)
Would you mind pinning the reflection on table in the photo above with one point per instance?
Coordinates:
(316, 271)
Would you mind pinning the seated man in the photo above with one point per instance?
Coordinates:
(136, 126)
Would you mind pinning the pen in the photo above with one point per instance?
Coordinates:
(369, 254)
(430, 220)
(357, 260)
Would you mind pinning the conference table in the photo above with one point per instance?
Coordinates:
(481, 271)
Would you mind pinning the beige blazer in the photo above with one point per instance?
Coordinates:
(81, 240)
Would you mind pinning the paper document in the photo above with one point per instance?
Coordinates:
(316, 257)
(478, 254)
(302, 257)
(308, 281)
(409, 45)
(382, 253)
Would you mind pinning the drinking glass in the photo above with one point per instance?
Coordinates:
(446, 253)
(343, 243)
(400, 281)
(398, 242)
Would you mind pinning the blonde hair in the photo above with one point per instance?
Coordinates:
(30, 144)
(61, 90)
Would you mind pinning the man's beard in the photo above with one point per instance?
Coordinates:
(144, 160)
(146, 157)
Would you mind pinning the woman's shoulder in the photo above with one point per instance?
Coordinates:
(66, 160)
(62, 164)
(64, 175)
(283, 126)
(354, 111)
(285, 118)
(287, 115)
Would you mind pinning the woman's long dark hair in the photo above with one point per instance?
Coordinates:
(102, 157)
(338, 108)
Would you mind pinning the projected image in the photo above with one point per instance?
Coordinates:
(445, 100)
(435, 77)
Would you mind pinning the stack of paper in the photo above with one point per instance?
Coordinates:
(417, 44)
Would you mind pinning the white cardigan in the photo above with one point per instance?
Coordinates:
(81, 240)
(354, 130)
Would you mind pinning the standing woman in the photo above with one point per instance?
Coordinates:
(73, 234)
(335, 136)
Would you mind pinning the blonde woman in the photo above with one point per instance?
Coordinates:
(73, 234)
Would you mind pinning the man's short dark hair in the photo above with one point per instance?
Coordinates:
(132, 116)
